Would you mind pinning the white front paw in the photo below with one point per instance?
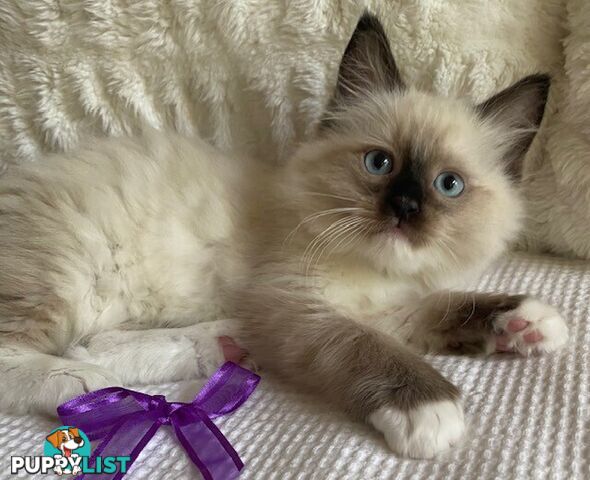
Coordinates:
(422, 432)
(532, 327)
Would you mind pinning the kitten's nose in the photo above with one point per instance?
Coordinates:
(405, 207)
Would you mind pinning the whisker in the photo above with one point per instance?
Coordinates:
(473, 308)
(336, 230)
(330, 195)
(343, 236)
(358, 200)
(317, 215)
(448, 309)
(358, 234)
(334, 225)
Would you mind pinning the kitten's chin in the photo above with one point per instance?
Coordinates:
(398, 231)
(391, 251)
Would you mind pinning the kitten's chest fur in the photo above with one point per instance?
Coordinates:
(358, 291)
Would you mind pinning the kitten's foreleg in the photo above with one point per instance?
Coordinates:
(33, 381)
(454, 322)
(367, 373)
(157, 355)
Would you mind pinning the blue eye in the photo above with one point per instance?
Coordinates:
(449, 184)
(378, 162)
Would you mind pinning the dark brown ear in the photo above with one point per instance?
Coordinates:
(520, 109)
(367, 65)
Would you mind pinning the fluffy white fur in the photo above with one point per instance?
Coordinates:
(150, 221)
(251, 75)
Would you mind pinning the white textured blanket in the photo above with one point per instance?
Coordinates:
(529, 417)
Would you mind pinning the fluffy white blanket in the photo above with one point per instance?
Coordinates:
(559, 188)
(248, 74)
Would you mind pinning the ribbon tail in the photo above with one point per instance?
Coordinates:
(226, 390)
(126, 439)
(216, 458)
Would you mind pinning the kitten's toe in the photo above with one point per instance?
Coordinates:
(64, 384)
(232, 352)
(422, 432)
(532, 327)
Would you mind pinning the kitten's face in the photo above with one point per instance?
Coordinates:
(407, 180)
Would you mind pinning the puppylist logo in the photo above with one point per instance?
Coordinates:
(66, 451)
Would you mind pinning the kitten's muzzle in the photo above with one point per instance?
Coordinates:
(404, 207)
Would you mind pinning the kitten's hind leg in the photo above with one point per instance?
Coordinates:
(474, 323)
(161, 355)
(33, 381)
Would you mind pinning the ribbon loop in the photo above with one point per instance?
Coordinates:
(126, 420)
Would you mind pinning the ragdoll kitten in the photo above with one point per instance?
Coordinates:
(122, 262)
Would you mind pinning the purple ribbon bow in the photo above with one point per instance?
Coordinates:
(127, 420)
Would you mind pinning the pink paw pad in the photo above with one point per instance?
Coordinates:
(516, 325)
(532, 327)
(232, 352)
(533, 336)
